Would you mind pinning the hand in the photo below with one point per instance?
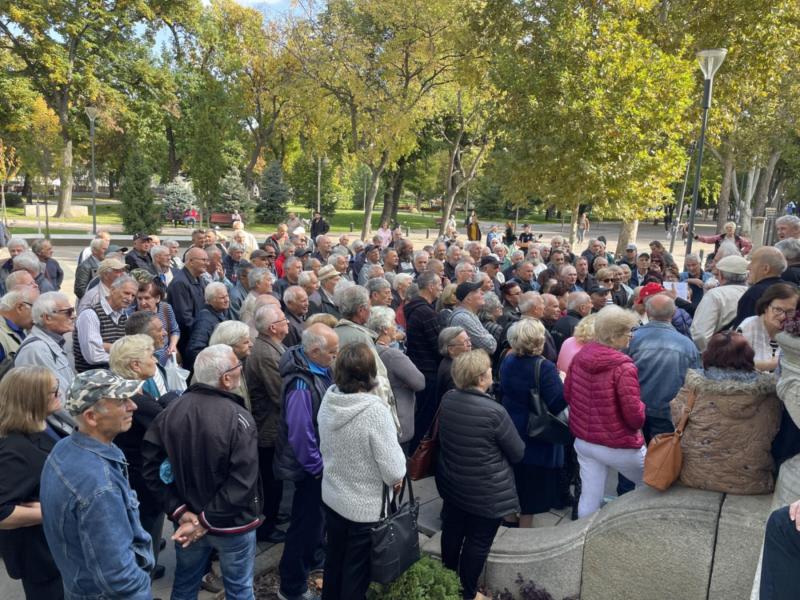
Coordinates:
(35, 505)
(189, 530)
(172, 348)
(794, 512)
(397, 487)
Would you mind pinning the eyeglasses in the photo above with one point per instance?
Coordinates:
(777, 310)
(233, 368)
(65, 311)
(27, 303)
(610, 279)
(278, 321)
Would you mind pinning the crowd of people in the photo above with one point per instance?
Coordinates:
(199, 385)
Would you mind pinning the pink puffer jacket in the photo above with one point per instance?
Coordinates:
(602, 390)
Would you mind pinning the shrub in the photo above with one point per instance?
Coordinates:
(274, 195)
(178, 197)
(14, 200)
(233, 196)
(427, 579)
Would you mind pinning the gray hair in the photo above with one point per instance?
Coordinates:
(213, 251)
(371, 269)
(451, 250)
(172, 244)
(380, 319)
(292, 293)
(737, 278)
(790, 247)
(613, 322)
(291, 261)
(790, 220)
(575, 299)
(491, 302)
(426, 278)
(211, 364)
(28, 261)
(45, 305)
(528, 300)
(235, 246)
(319, 238)
(258, 275)
(16, 242)
(212, 289)
(304, 278)
(693, 257)
(376, 285)
(11, 280)
(726, 248)
(122, 280)
(463, 266)
(661, 309)
(310, 340)
(400, 279)
(38, 244)
(158, 250)
(14, 297)
(265, 317)
(446, 337)
(420, 254)
(526, 337)
(230, 333)
(516, 256)
(351, 299)
(97, 243)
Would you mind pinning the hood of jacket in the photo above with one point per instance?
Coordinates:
(743, 398)
(603, 357)
(413, 305)
(294, 361)
(343, 408)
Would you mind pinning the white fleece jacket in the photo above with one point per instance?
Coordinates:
(360, 452)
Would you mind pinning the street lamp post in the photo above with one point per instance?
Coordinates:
(710, 61)
(92, 112)
(676, 222)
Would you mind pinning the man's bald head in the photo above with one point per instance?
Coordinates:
(660, 308)
(765, 262)
(196, 261)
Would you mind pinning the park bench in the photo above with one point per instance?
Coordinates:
(223, 219)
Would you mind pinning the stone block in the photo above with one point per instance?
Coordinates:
(739, 536)
(654, 545)
(552, 557)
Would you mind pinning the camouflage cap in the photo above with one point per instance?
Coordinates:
(92, 386)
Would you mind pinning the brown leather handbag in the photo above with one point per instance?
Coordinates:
(662, 464)
(422, 463)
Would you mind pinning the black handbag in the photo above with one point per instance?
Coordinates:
(395, 541)
(543, 426)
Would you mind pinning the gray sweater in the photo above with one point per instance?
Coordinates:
(406, 379)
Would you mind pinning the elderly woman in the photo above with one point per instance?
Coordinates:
(27, 396)
(728, 235)
(538, 474)
(236, 335)
(736, 415)
(490, 313)
(583, 333)
(358, 444)
(446, 303)
(452, 342)
(606, 412)
(776, 303)
(404, 377)
(150, 297)
(133, 357)
(400, 286)
(477, 445)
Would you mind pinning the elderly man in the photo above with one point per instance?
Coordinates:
(214, 270)
(765, 269)
(524, 276)
(453, 257)
(162, 264)
(328, 278)
(579, 305)
(292, 268)
(51, 270)
(231, 262)
(16, 246)
(718, 307)
(187, 294)
(695, 277)
(86, 252)
(531, 306)
(87, 270)
(790, 248)
(212, 490)
(380, 292)
(391, 261)
(17, 319)
(324, 246)
(263, 377)
(464, 271)
(28, 261)
(306, 372)
(174, 260)
(241, 289)
(102, 324)
(421, 259)
(552, 311)
(309, 281)
(787, 226)
(19, 280)
(215, 311)
(470, 298)
(90, 513)
(662, 357)
(296, 301)
(371, 259)
(139, 256)
(108, 271)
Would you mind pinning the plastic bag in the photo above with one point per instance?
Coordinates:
(176, 376)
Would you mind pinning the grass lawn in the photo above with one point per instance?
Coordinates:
(107, 214)
(53, 230)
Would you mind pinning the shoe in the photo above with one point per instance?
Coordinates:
(211, 583)
(276, 536)
(307, 595)
(158, 572)
(162, 543)
(319, 561)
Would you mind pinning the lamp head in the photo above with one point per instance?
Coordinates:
(92, 112)
(710, 61)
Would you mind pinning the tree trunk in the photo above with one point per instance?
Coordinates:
(628, 231)
(573, 224)
(724, 202)
(375, 178)
(762, 191)
(172, 154)
(27, 188)
(397, 189)
(745, 202)
(251, 165)
(388, 201)
(65, 173)
(111, 184)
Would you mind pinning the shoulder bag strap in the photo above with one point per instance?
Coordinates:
(686, 412)
(537, 373)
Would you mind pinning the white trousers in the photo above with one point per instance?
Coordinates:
(594, 461)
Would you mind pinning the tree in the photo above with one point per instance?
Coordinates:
(303, 179)
(62, 46)
(178, 197)
(274, 195)
(9, 167)
(139, 210)
(233, 197)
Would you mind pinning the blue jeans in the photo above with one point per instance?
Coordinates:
(781, 557)
(237, 555)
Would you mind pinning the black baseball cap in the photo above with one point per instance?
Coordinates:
(465, 289)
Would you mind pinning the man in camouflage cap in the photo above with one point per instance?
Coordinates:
(90, 514)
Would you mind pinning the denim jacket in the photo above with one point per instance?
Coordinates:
(662, 357)
(91, 522)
